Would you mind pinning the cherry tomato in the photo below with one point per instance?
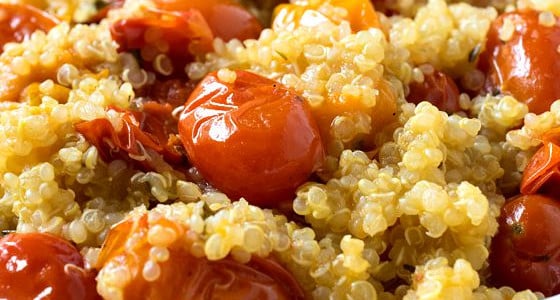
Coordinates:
(527, 64)
(142, 133)
(19, 21)
(180, 275)
(43, 266)
(542, 172)
(227, 19)
(252, 138)
(437, 88)
(525, 254)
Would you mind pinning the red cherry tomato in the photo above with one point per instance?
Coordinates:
(43, 266)
(183, 30)
(437, 88)
(227, 19)
(527, 64)
(143, 133)
(525, 254)
(181, 275)
(19, 21)
(253, 138)
(542, 173)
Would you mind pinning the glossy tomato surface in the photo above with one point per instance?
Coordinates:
(181, 276)
(19, 21)
(437, 88)
(525, 254)
(252, 138)
(527, 64)
(43, 266)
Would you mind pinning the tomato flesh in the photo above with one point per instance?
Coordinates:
(43, 266)
(525, 254)
(253, 138)
(527, 64)
(183, 276)
(437, 88)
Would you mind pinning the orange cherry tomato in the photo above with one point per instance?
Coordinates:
(180, 275)
(43, 266)
(527, 64)
(19, 21)
(252, 138)
(542, 173)
(525, 254)
(437, 88)
(143, 133)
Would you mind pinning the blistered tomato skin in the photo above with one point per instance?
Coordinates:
(43, 266)
(527, 64)
(525, 254)
(437, 88)
(253, 138)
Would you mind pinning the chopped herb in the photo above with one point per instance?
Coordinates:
(473, 55)
(281, 54)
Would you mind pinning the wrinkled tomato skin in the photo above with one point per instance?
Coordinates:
(527, 65)
(437, 88)
(33, 265)
(21, 20)
(185, 277)
(542, 173)
(253, 138)
(525, 254)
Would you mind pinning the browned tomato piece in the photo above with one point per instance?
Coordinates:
(525, 254)
(525, 64)
(19, 21)
(153, 129)
(43, 266)
(437, 88)
(251, 138)
(170, 271)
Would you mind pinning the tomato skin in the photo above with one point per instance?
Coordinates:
(525, 254)
(527, 65)
(437, 88)
(31, 263)
(253, 138)
(153, 127)
(21, 21)
(185, 277)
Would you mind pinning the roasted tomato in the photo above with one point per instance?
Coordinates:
(175, 32)
(43, 266)
(251, 138)
(542, 173)
(19, 21)
(141, 136)
(525, 64)
(525, 254)
(149, 258)
(437, 88)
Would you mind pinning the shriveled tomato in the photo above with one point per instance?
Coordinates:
(525, 254)
(180, 35)
(182, 30)
(170, 271)
(527, 64)
(43, 266)
(542, 173)
(19, 21)
(140, 136)
(252, 138)
(437, 88)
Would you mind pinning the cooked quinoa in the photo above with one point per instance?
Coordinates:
(410, 216)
